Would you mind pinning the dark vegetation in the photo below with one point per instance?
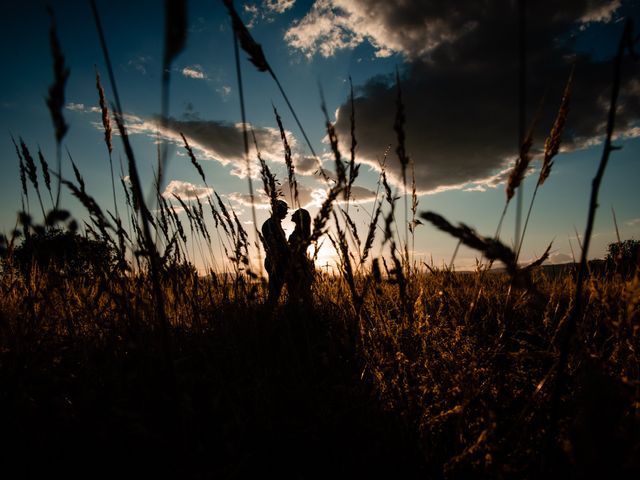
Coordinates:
(118, 360)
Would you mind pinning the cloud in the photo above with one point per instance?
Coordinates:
(323, 30)
(361, 194)
(199, 26)
(556, 258)
(185, 190)
(215, 140)
(224, 91)
(410, 28)
(278, 6)
(266, 10)
(140, 63)
(194, 71)
(305, 165)
(634, 222)
(601, 13)
(76, 107)
(80, 107)
(460, 90)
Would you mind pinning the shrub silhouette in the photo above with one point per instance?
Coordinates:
(66, 252)
(623, 257)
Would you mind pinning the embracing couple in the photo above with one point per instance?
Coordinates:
(287, 261)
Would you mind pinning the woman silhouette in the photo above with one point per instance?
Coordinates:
(301, 270)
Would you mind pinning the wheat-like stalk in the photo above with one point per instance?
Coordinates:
(248, 44)
(321, 218)
(520, 167)
(32, 172)
(45, 173)
(192, 157)
(371, 233)
(23, 176)
(353, 167)
(291, 177)
(540, 260)
(175, 29)
(341, 172)
(225, 214)
(269, 181)
(492, 248)
(55, 100)
(552, 143)
(398, 127)
(104, 110)
(342, 247)
(551, 148)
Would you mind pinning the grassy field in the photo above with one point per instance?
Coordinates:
(118, 360)
(449, 381)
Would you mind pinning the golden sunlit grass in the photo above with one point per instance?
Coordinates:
(118, 359)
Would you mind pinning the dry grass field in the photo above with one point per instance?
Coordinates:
(118, 360)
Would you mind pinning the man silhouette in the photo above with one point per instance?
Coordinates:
(277, 248)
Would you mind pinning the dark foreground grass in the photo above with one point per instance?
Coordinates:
(247, 394)
(433, 387)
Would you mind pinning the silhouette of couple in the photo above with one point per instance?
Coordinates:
(287, 261)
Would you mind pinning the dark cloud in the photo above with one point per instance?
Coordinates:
(215, 140)
(461, 97)
(222, 141)
(361, 194)
(305, 165)
(225, 141)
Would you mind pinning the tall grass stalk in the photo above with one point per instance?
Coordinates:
(175, 38)
(24, 194)
(256, 56)
(627, 42)
(288, 160)
(551, 148)
(398, 126)
(353, 167)
(45, 174)
(139, 204)
(32, 173)
(106, 124)
(522, 100)
(55, 100)
(245, 139)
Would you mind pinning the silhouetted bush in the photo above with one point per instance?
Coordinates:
(64, 251)
(623, 257)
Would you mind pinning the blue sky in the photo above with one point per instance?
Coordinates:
(458, 72)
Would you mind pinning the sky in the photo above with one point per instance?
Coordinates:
(458, 64)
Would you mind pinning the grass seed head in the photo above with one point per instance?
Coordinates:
(45, 170)
(175, 29)
(55, 100)
(104, 109)
(552, 143)
(247, 43)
